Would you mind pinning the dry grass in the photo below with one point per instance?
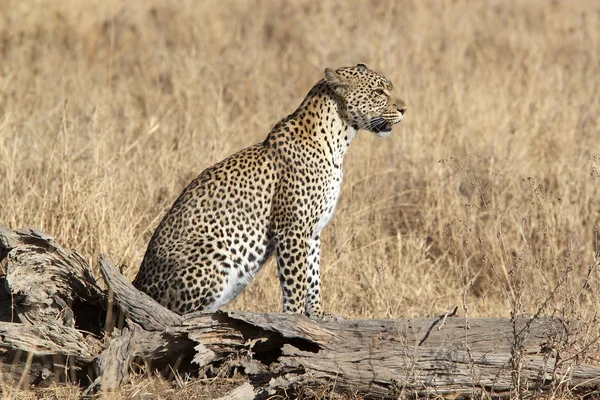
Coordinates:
(487, 196)
(142, 388)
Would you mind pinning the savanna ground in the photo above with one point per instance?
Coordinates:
(487, 196)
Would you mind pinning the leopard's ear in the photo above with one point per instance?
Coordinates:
(337, 82)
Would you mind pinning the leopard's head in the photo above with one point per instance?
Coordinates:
(367, 98)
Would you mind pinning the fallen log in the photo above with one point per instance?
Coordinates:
(278, 353)
(52, 311)
(48, 283)
(380, 358)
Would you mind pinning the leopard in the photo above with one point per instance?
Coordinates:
(274, 197)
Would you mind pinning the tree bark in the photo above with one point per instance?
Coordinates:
(278, 353)
(48, 283)
(44, 353)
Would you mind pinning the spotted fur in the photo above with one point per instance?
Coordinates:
(273, 197)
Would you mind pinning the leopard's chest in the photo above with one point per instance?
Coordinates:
(331, 195)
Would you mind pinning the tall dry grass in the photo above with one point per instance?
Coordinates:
(487, 197)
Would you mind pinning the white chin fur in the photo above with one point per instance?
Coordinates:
(384, 133)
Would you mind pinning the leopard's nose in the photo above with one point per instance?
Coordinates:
(400, 105)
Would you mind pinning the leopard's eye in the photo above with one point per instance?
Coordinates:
(379, 92)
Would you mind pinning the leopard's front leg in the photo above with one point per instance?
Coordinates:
(292, 265)
(313, 306)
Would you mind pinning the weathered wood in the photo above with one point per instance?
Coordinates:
(244, 392)
(382, 358)
(278, 353)
(161, 350)
(48, 283)
(39, 354)
(141, 308)
(51, 292)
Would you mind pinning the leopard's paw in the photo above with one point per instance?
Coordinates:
(324, 316)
